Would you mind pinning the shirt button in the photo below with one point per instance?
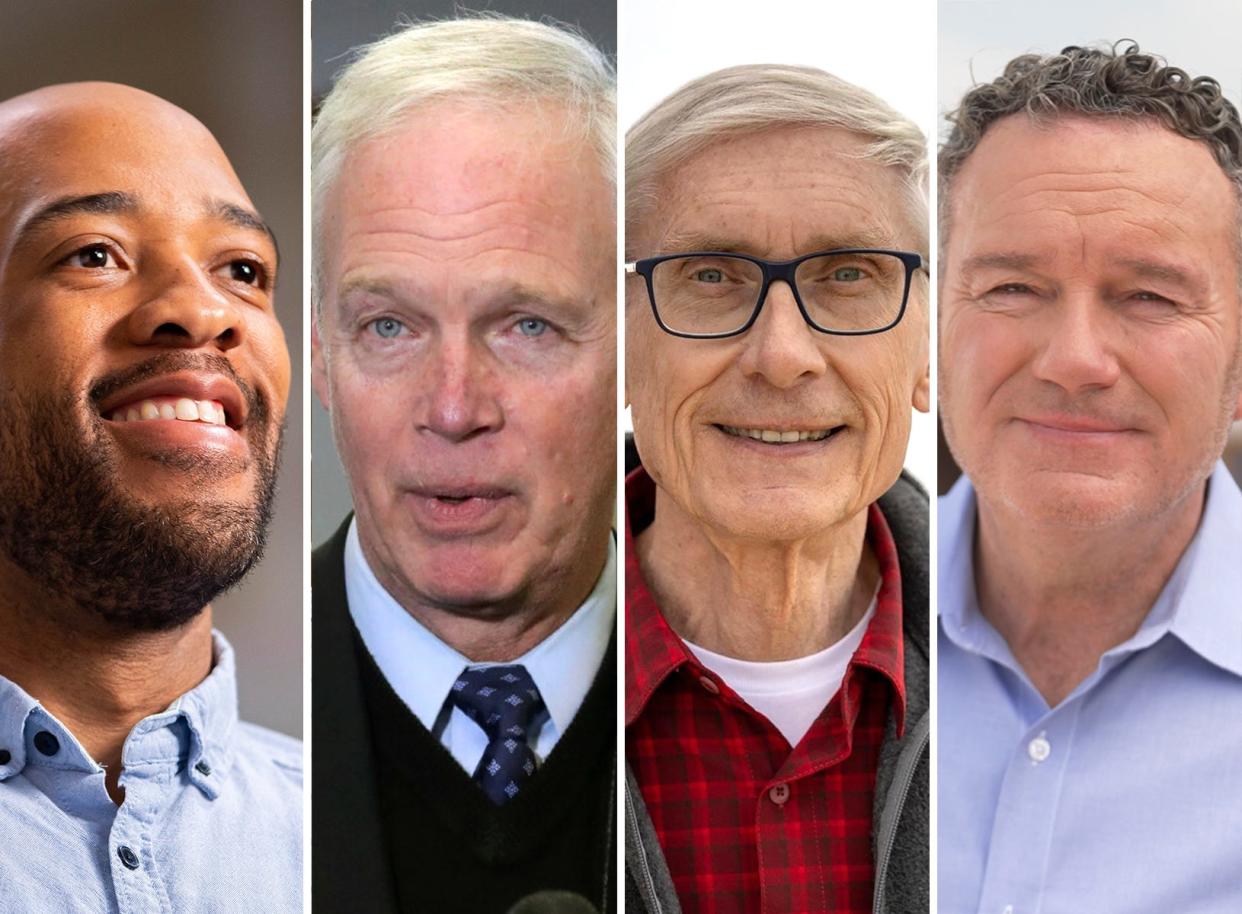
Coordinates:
(46, 743)
(5, 757)
(128, 857)
(203, 768)
(1039, 749)
(707, 683)
(779, 794)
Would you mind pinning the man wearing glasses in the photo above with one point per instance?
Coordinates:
(1090, 586)
(776, 644)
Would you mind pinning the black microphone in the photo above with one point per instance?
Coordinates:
(553, 902)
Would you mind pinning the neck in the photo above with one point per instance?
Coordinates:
(757, 600)
(95, 680)
(504, 630)
(1062, 598)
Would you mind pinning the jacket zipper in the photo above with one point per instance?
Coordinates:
(902, 781)
(632, 817)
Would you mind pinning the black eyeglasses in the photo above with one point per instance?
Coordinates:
(705, 295)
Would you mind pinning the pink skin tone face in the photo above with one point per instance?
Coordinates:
(777, 194)
(1089, 319)
(466, 350)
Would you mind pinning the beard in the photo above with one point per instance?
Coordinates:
(66, 522)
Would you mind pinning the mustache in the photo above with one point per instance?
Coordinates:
(170, 362)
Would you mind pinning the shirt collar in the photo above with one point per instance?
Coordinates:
(654, 651)
(195, 732)
(421, 668)
(1195, 605)
(1204, 592)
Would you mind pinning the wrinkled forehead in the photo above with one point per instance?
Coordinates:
(1093, 164)
(154, 152)
(785, 189)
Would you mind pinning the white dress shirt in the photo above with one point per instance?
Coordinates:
(421, 668)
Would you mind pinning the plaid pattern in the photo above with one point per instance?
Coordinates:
(746, 823)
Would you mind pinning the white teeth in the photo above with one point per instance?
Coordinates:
(772, 436)
(180, 408)
(186, 410)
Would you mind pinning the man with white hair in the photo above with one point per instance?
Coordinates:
(776, 556)
(464, 344)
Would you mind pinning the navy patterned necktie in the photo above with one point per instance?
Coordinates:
(504, 701)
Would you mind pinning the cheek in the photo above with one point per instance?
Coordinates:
(978, 353)
(367, 423)
(267, 340)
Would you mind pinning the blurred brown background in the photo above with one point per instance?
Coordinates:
(237, 66)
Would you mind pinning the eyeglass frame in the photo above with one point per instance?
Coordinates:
(773, 270)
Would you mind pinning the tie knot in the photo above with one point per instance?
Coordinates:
(503, 700)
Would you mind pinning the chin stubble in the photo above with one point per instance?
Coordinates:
(66, 523)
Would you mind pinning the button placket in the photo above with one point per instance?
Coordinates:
(1020, 846)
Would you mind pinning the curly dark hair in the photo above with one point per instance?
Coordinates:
(1116, 81)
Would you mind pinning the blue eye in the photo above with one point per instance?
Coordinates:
(847, 274)
(532, 326)
(387, 327)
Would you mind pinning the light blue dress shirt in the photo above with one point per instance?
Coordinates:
(1126, 797)
(422, 669)
(211, 822)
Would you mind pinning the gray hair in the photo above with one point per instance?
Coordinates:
(1117, 81)
(484, 58)
(749, 99)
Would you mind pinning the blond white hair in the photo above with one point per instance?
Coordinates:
(483, 58)
(749, 99)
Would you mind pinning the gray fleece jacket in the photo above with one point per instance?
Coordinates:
(900, 829)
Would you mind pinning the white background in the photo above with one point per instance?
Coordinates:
(887, 47)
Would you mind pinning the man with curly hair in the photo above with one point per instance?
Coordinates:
(1090, 637)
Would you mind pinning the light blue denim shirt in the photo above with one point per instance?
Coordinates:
(211, 822)
(1127, 796)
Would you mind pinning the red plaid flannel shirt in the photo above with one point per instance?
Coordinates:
(748, 824)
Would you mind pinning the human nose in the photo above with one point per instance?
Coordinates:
(781, 347)
(1077, 353)
(461, 397)
(185, 310)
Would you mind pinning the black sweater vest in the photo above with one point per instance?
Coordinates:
(451, 850)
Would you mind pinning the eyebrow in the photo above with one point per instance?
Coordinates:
(680, 243)
(110, 203)
(1141, 267)
(514, 294)
(120, 203)
(1001, 260)
(243, 218)
(1165, 272)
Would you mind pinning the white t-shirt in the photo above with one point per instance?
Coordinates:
(789, 693)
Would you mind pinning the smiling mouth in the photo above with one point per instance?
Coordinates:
(780, 436)
(183, 409)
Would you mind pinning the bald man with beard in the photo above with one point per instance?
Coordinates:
(143, 383)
